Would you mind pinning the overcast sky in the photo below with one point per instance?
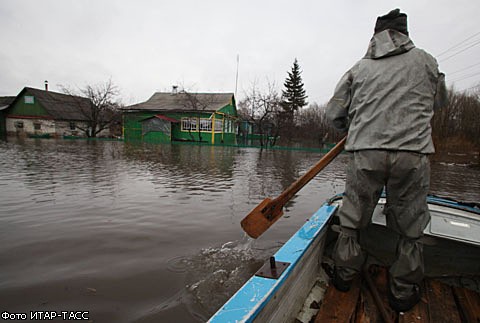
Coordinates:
(148, 46)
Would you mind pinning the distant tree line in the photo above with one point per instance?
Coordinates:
(455, 127)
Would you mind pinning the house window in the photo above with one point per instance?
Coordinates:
(218, 125)
(205, 125)
(228, 126)
(29, 99)
(19, 124)
(73, 126)
(189, 124)
(37, 126)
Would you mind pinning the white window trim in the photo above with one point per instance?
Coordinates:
(205, 125)
(187, 124)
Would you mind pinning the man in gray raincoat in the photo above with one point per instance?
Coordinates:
(385, 103)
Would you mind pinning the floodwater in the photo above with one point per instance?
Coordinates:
(151, 233)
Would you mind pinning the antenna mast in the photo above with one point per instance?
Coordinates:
(236, 77)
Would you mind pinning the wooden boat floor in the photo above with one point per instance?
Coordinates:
(439, 303)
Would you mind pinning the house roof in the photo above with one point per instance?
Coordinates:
(184, 102)
(5, 101)
(59, 105)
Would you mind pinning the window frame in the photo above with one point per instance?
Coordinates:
(205, 125)
(218, 125)
(29, 99)
(189, 124)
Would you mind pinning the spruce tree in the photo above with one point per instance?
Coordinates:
(294, 95)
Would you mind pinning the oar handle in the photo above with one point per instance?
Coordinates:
(268, 211)
(296, 186)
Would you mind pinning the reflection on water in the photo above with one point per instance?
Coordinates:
(151, 233)
(456, 176)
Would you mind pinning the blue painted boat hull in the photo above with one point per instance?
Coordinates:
(454, 225)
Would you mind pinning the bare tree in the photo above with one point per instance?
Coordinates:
(313, 128)
(263, 109)
(457, 125)
(196, 102)
(103, 110)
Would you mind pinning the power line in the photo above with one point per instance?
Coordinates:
(463, 69)
(455, 46)
(471, 88)
(461, 51)
(465, 77)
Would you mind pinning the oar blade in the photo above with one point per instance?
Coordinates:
(261, 218)
(269, 211)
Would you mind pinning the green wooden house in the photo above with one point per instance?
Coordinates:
(182, 116)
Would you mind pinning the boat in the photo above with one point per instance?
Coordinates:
(292, 285)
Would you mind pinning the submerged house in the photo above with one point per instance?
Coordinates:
(42, 113)
(182, 116)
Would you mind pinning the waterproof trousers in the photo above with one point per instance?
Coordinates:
(406, 178)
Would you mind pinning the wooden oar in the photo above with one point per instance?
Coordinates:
(270, 210)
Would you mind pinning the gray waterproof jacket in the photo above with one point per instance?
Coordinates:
(387, 99)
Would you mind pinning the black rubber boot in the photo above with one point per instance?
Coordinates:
(339, 283)
(403, 304)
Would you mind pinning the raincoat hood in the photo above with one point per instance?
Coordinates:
(388, 43)
(386, 100)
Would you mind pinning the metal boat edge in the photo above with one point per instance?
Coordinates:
(252, 300)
